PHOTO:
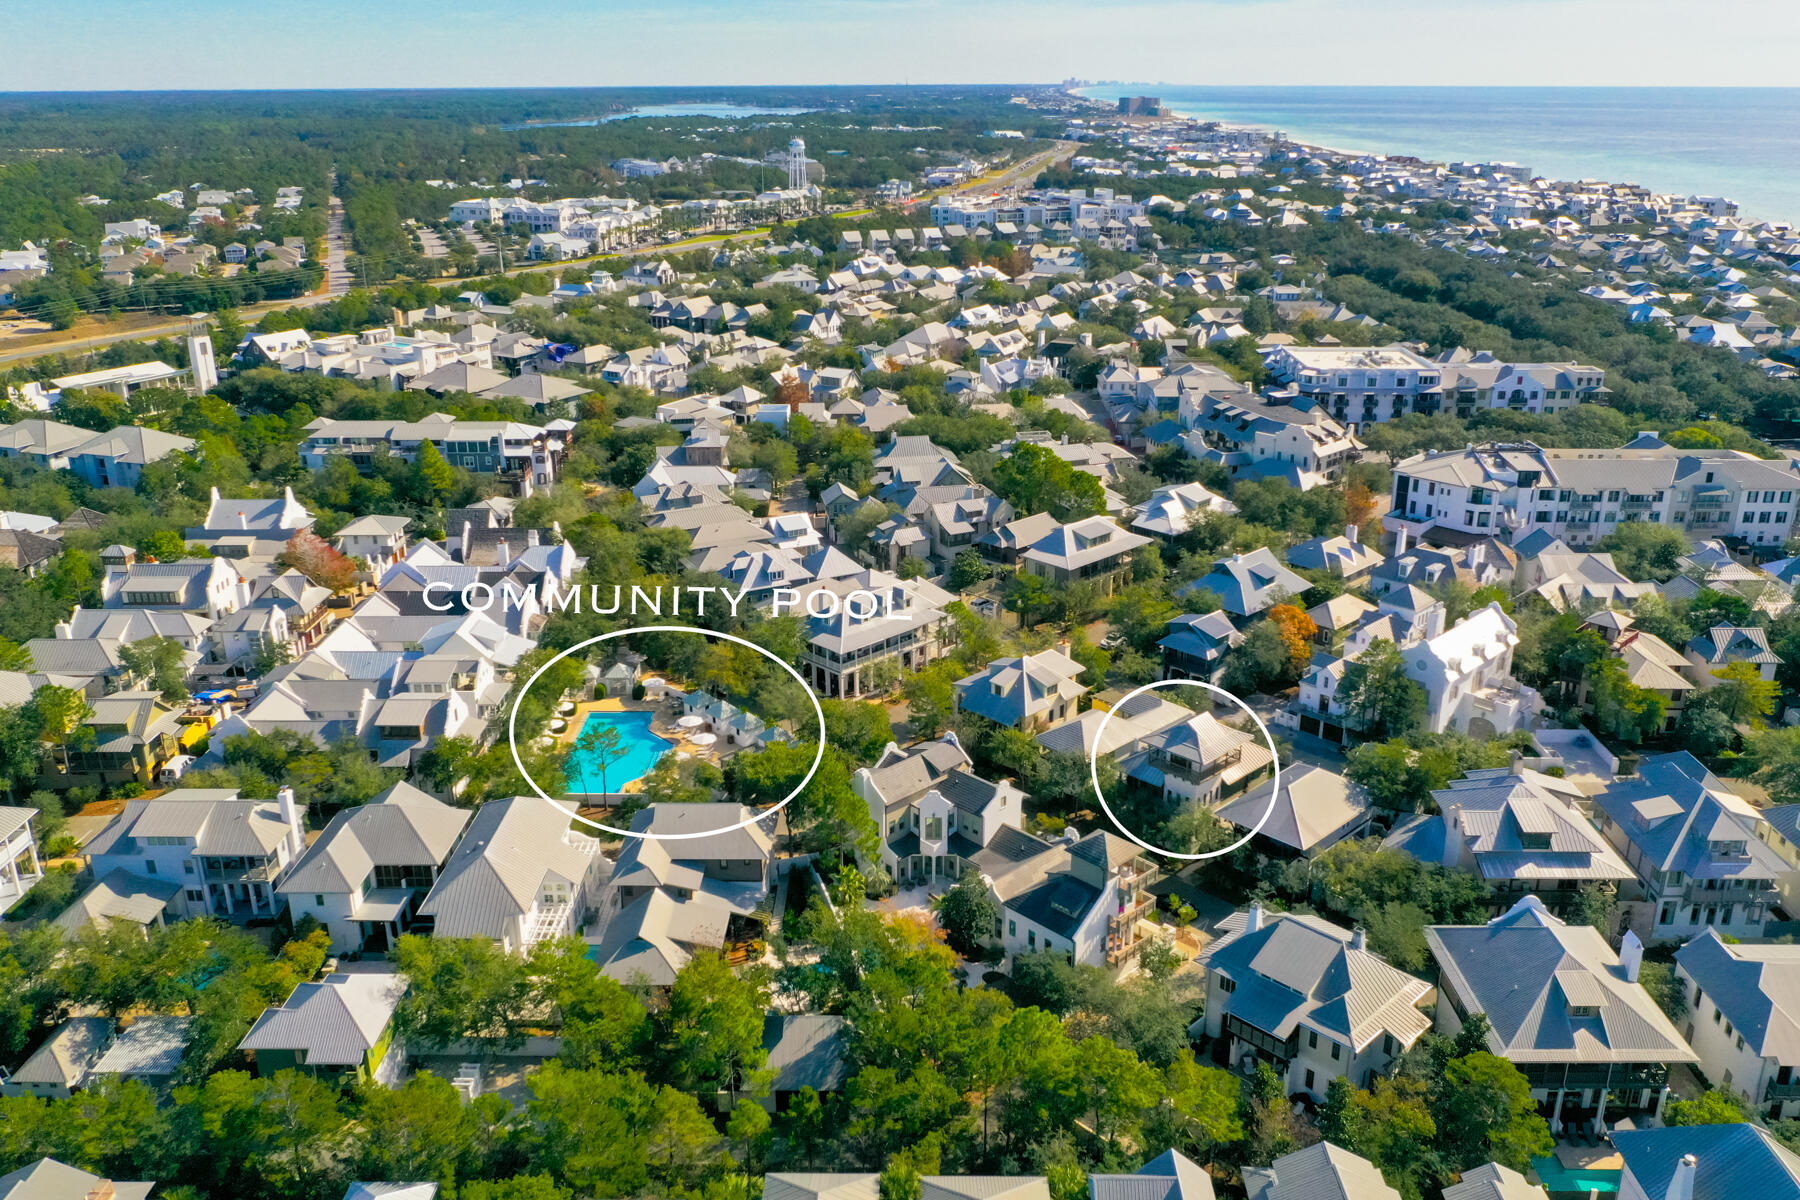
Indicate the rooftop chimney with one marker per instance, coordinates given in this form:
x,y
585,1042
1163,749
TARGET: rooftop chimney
x,y
290,812
1453,835
1359,940
1681,1183
1253,920
1631,957
1350,532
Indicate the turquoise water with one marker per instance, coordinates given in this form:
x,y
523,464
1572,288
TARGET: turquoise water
x,y
730,112
643,749
1558,1178
1738,142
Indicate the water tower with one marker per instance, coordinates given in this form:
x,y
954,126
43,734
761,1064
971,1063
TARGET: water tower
x,y
796,163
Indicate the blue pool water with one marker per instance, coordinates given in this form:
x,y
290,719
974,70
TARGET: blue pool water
x,y
1558,1178
643,749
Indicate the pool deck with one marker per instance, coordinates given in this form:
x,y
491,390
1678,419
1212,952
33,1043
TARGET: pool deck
x,y
663,726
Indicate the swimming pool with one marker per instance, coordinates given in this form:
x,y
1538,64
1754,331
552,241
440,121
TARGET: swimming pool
x,y
1582,1180
643,749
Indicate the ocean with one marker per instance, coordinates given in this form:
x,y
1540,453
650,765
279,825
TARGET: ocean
x,y
1743,143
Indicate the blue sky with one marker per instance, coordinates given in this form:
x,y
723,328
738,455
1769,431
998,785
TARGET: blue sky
x,y
134,44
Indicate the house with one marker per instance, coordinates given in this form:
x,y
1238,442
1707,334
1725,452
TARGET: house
x,y
1311,811
1650,663
1723,645
1023,693
1196,644
1343,557
339,1028
1706,1162
228,853
520,875
1571,579
120,896
59,1068
1082,899
853,1186
1092,549
861,646
1198,759
1564,1008
380,541
1520,832
936,814
672,897
278,518
1742,1019
1493,1181
362,877
1308,998
212,586
648,941
47,1179
1322,1171
18,847
149,1050
1171,1175
1698,849
118,458
1176,509
805,1050
1250,583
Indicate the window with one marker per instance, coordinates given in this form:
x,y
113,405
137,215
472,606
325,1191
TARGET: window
x,y
1309,1081
1312,1039
318,901
1012,929
1031,938
1668,915
149,866
1336,1050
1227,984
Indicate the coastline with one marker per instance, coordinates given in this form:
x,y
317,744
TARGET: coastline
x,y
1578,133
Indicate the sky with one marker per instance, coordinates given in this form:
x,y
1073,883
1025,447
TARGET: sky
x,y
80,45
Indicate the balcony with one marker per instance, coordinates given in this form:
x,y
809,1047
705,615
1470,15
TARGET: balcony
x,y
1699,893
1781,1091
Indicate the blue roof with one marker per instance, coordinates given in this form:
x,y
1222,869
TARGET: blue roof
x,y
1735,1162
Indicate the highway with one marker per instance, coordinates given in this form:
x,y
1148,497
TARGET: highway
x,y
337,275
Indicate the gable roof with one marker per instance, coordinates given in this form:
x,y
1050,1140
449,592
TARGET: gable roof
x,y
336,1020
1732,1161
1529,972
1297,970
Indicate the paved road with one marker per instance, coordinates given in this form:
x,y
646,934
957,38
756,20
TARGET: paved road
x,y
337,273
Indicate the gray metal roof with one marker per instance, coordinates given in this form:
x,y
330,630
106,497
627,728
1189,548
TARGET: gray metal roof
x,y
401,827
70,1052
1552,992
47,1179
335,1021
805,1050
150,1048
1320,1172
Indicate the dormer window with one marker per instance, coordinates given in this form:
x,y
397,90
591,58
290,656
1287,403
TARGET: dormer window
x,y
1583,1010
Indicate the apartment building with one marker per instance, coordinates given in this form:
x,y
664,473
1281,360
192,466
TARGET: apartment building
x,y
1579,496
527,455
1360,384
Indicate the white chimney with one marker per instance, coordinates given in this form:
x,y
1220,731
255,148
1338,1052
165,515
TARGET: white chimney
x,y
1359,940
1631,956
1681,1183
1350,532
1253,920
1453,836
1400,541
290,812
